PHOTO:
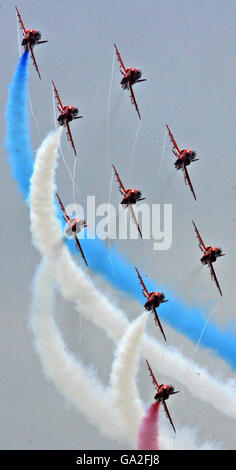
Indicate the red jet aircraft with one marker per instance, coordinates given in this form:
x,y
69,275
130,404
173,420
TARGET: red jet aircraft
x,y
31,38
130,196
211,253
154,299
68,113
130,77
163,393
184,158
74,226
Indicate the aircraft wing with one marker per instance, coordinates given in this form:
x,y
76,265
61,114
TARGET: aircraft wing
x,y
157,321
201,243
20,21
66,216
57,97
172,139
188,181
133,216
34,61
80,249
120,60
154,381
133,100
142,283
119,181
214,278
168,415
70,138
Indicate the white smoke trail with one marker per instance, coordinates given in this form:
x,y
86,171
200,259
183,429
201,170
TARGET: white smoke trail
x,y
162,155
73,180
75,285
133,149
124,370
126,398
203,329
76,382
47,234
34,118
71,378
110,223
18,35
196,379
199,382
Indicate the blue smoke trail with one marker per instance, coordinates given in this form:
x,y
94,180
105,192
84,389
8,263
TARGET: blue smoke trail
x,y
18,143
110,264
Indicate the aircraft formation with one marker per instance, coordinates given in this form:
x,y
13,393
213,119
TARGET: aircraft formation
x,y
131,196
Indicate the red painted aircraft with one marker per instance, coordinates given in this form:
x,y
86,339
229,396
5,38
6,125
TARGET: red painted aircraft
x,y
184,158
211,253
74,226
68,114
130,77
154,299
130,196
163,393
31,38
